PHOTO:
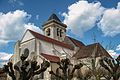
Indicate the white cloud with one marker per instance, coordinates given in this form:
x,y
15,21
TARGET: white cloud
x,y
3,42
113,53
31,26
13,25
82,16
5,56
118,48
110,22
118,5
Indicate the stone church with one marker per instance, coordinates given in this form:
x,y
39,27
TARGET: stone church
x,y
54,45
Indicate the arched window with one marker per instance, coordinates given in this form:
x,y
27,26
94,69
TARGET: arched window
x,y
61,32
57,31
48,32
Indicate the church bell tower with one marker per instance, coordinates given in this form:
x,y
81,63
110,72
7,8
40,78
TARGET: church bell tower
x,y
54,28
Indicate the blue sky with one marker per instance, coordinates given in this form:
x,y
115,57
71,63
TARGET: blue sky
x,y
86,20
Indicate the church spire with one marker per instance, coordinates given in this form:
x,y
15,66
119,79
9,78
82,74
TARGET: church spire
x,y
54,28
53,17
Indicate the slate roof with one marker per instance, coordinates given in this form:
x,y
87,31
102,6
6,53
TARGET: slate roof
x,y
51,58
91,50
54,16
55,19
45,38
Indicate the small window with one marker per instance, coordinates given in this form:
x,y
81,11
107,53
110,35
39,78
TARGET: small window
x,y
57,31
61,32
48,32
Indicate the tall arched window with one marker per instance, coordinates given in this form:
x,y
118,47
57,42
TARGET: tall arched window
x,y
57,31
61,32
48,32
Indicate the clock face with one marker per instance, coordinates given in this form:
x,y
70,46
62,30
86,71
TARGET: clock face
x,y
26,52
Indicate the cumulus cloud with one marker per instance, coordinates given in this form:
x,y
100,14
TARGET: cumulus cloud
x,y
110,22
14,24
12,27
31,26
82,16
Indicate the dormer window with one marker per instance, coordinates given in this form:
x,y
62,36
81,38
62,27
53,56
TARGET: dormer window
x,y
48,32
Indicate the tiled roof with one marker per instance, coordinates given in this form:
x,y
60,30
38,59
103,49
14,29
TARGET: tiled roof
x,y
44,38
91,50
54,19
76,42
54,16
51,58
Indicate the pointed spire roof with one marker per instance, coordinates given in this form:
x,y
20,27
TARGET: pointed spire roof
x,y
54,17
